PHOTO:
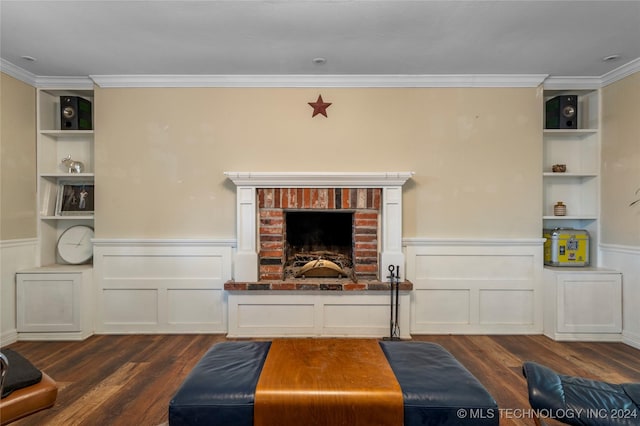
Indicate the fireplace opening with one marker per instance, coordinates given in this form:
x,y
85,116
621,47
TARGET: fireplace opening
x,y
319,244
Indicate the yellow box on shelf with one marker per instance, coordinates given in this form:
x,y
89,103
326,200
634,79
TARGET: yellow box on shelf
x,y
566,247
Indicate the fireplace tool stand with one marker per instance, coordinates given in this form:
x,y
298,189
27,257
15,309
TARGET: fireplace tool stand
x,y
394,281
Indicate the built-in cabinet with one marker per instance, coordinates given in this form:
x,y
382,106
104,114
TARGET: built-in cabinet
x,y
55,303
50,296
582,304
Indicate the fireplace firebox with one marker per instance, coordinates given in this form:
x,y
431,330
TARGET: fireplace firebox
x,y
318,244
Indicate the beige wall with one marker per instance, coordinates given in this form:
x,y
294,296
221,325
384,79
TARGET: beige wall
x,y
17,159
621,161
161,154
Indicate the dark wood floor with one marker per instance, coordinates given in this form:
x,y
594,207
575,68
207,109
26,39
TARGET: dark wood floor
x,y
129,380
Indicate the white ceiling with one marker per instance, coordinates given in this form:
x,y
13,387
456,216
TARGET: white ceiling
x,y
378,37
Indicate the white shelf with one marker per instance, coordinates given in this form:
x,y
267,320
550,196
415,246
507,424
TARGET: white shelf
x,y
569,132
569,175
577,217
67,175
67,133
79,217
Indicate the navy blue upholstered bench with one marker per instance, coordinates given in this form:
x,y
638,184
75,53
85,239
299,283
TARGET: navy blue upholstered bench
x,y
436,388
220,390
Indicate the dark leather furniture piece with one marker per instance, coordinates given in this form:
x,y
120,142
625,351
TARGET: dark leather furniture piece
x,y
25,389
579,401
220,389
436,388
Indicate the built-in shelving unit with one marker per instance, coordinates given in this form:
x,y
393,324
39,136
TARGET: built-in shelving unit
x,y
55,144
580,303
54,299
579,149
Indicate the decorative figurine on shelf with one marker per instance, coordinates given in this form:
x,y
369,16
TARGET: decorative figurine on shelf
x,y
560,209
72,166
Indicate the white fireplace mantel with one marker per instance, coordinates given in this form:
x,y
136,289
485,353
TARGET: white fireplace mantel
x,y
319,179
246,258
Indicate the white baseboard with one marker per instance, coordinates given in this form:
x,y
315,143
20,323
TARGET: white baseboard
x,y
8,337
631,339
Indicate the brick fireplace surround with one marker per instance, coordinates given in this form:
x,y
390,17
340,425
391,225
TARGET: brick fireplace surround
x,y
274,202
375,199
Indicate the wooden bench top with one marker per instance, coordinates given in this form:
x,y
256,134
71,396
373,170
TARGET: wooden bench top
x,y
327,382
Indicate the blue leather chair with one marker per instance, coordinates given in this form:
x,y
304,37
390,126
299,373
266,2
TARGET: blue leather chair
x,y
579,401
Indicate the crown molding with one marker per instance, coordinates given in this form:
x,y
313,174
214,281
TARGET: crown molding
x,y
621,72
297,80
49,82
590,83
359,80
52,82
572,83
17,72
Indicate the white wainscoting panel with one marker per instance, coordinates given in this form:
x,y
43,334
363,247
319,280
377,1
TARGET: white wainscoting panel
x,y
15,255
161,286
517,306
475,286
626,259
314,314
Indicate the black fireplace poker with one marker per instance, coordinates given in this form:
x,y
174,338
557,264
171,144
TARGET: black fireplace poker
x,y
394,286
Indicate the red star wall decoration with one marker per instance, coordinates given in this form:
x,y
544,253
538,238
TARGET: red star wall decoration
x,y
319,106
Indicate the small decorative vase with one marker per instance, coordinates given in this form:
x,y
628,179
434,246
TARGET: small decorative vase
x,y
559,209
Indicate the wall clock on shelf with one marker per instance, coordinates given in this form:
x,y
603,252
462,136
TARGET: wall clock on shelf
x,y
75,246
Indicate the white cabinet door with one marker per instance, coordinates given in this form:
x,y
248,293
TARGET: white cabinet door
x,y
49,302
589,303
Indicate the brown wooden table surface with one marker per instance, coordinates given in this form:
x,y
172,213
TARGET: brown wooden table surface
x,y
327,382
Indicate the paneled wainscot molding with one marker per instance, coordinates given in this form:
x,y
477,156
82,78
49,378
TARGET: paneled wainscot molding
x,y
485,286
161,286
